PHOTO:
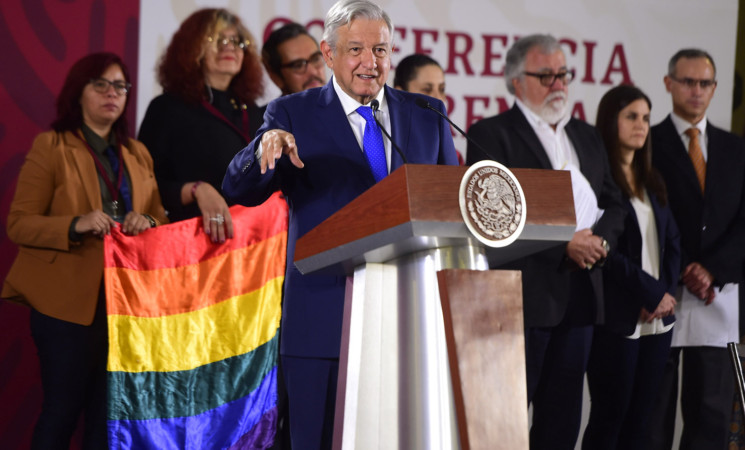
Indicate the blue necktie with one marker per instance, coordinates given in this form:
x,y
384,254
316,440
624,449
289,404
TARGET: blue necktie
x,y
124,188
372,143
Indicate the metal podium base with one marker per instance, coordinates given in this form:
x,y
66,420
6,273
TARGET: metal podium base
x,y
394,381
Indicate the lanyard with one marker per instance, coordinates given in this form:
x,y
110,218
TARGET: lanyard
x,y
244,119
114,190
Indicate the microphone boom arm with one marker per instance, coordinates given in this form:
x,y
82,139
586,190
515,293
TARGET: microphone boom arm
x,y
375,106
420,102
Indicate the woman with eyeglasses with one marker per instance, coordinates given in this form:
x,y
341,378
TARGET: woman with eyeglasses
x,y
78,182
640,276
211,76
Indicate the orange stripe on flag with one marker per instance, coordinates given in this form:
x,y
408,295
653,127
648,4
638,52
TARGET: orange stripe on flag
x,y
142,293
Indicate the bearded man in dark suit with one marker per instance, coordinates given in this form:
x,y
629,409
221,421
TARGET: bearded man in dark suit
x,y
562,288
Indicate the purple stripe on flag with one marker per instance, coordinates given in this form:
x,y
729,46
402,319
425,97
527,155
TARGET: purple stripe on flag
x,y
262,435
226,426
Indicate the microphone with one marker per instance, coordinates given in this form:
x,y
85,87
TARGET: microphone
x,y
375,105
422,103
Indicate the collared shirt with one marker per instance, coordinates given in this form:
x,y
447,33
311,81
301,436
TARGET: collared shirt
x,y
681,125
99,146
563,156
357,122
711,325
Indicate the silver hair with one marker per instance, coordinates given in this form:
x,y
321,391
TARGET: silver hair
x,y
689,53
345,11
514,64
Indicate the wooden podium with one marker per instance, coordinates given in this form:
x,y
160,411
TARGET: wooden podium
x,y
397,357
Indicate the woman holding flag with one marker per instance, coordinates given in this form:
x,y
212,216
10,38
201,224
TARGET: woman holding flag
x,y
79,181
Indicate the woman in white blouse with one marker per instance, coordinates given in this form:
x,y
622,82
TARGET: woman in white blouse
x,y
640,276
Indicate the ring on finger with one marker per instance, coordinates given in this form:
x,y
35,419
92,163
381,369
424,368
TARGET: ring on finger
x,y
219,219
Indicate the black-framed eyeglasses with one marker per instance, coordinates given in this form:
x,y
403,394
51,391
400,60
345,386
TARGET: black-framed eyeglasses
x,y
691,83
300,66
101,85
221,42
548,79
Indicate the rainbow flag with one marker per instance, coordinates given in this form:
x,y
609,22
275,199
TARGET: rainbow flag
x,y
193,333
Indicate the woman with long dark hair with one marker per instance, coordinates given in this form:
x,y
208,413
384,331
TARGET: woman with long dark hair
x,y
421,74
640,277
79,181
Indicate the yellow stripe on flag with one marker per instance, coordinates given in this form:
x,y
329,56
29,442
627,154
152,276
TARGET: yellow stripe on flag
x,y
185,341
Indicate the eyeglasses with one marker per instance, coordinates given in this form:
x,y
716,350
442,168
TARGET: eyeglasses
x,y
691,83
300,66
548,79
221,42
101,85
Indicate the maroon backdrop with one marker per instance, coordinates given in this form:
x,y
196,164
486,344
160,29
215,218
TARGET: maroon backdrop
x,y
39,41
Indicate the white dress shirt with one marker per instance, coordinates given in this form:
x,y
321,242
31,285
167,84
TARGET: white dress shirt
x,y
563,156
357,122
681,125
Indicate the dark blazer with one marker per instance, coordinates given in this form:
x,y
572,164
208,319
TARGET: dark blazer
x,y
712,224
59,181
510,140
628,288
336,172
188,143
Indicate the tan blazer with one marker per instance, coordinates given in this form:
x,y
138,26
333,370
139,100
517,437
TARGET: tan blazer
x,y
58,181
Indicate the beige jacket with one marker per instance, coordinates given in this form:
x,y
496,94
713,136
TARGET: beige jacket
x,y
58,181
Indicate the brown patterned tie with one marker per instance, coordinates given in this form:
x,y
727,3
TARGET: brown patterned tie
x,y
697,157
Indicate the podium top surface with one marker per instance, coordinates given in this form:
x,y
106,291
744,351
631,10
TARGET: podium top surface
x,y
417,208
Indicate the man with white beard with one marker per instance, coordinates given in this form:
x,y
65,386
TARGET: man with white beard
x,y
562,288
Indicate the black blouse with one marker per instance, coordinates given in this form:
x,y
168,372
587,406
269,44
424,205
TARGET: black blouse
x,y
189,143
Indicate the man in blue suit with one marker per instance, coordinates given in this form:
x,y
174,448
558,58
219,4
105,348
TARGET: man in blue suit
x,y
314,146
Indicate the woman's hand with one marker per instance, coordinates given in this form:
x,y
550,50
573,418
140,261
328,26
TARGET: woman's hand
x,y
665,308
215,214
95,222
135,223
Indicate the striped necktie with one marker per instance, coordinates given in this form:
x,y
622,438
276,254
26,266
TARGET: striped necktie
x,y
697,156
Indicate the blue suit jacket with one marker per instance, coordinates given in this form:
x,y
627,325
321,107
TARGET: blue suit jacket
x,y
628,288
336,172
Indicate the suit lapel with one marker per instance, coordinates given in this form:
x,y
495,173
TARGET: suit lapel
x,y
579,146
329,120
86,168
716,161
133,169
336,125
677,155
400,124
522,128
661,227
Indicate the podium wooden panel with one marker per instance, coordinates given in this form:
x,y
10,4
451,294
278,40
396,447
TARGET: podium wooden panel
x,y
483,315
395,388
